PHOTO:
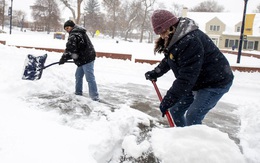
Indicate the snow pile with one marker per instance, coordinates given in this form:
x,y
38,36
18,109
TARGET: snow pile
x,y
44,122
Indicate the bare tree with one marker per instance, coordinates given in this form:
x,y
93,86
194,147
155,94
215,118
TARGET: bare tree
x,y
2,12
71,7
257,10
128,17
19,18
93,19
149,30
46,15
145,21
177,9
162,5
208,6
112,8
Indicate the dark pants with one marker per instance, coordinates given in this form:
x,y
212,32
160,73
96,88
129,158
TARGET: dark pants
x,y
192,108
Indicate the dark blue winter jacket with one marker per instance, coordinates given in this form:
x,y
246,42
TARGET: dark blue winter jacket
x,y
79,47
195,61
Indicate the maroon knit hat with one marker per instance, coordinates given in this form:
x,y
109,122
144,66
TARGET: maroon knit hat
x,y
162,20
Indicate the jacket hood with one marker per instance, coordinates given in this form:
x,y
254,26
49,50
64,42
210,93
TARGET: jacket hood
x,y
184,27
77,29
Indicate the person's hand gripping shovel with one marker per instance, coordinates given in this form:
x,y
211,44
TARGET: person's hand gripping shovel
x,y
151,75
169,118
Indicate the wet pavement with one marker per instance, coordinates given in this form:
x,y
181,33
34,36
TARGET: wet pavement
x,y
75,109
145,99
140,97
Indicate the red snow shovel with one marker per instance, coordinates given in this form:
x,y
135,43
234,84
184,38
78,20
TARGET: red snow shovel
x,y
169,118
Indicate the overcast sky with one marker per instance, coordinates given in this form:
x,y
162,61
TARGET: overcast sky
x,y
230,5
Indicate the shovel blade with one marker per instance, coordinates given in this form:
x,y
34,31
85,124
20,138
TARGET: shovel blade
x,y
33,67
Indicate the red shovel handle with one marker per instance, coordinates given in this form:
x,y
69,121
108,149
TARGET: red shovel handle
x,y
169,118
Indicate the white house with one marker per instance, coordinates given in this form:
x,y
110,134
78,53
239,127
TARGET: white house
x,y
225,28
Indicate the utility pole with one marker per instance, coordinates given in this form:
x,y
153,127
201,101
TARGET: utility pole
x,y
242,34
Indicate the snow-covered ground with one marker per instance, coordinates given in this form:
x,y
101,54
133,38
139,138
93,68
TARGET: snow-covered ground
x,y
44,122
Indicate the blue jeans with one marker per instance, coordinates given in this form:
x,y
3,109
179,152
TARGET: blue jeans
x,y
88,71
192,108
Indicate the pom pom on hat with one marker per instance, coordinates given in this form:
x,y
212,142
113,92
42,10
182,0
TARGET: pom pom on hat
x,y
162,20
69,23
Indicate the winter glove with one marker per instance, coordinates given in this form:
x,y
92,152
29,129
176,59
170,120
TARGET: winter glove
x,y
63,58
151,75
166,103
62,61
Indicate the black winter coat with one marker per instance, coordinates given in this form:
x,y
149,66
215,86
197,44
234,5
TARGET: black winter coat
x,y
195,61
79,47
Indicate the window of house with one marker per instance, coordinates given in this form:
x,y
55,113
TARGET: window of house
x,y
215,40
226,43
214,27
238,29
250,45
230,43
256,45
245,44
236,43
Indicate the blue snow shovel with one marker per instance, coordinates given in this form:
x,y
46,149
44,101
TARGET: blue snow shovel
x,y
34,66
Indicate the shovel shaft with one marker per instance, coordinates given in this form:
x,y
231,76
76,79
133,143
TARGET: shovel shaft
x,y
55,63
50,65
169,118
